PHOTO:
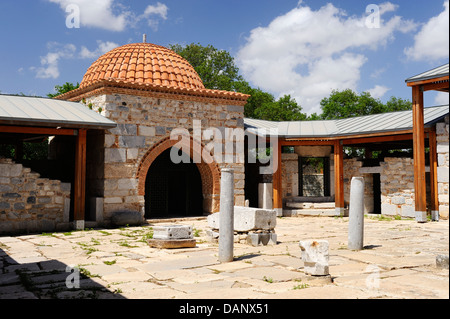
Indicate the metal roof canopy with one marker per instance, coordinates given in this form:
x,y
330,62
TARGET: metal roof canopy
x,y
45,112
369,124
438,72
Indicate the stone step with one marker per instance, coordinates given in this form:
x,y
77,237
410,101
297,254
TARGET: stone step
x,y
308,205
311,212
310,199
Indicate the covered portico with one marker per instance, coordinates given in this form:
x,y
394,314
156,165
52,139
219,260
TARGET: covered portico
x,y
387,131
30,118
436,79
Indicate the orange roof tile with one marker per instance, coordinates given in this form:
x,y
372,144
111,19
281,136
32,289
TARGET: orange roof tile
x,y
128,63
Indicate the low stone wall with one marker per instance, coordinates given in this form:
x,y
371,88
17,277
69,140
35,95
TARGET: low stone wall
x,y
397,187
442,139
29,203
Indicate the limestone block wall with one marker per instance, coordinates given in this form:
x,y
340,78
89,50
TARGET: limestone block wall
x,y
442,140
397,187
29,203
143,123
289,174
352,168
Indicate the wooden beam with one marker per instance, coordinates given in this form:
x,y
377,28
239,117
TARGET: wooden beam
x,y
433,176
306,143
378,139
436,86
419,156
339,177
80,179
442,78
276,181
37,130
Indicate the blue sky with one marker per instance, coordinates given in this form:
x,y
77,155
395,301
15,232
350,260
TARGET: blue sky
x,y
303,48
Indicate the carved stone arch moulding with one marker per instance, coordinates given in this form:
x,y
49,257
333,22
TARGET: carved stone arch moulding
x,y
210,173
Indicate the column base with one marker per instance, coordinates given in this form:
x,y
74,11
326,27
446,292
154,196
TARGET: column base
x,y
339,211
78,224
435,215
421,217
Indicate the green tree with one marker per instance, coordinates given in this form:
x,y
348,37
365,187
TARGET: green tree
x,y
258,98
285,109
347,103
218,71
215,67
66,87
397,104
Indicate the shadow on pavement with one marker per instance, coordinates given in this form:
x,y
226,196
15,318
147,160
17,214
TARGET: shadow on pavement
x,y
50,279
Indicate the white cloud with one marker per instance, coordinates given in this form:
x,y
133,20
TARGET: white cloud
x,y
102,48
104,14
153,13
308,53
49,67
50,62
376,74
160,10
441,98
113,16
378,91
432,41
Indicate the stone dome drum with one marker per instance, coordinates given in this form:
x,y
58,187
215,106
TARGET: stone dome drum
x,y
144,63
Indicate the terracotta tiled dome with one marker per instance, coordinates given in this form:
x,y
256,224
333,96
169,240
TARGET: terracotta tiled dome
x,y
143,63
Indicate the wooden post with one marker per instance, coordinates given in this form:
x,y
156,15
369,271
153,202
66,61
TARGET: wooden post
x,y
80,180
433,176
339,177
419,156
276,182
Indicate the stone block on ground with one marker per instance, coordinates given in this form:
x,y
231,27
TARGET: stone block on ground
x,y
256,239
442,261
167,232
315,257
247,219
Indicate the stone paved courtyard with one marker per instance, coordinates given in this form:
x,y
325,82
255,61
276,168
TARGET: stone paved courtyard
x,y
399,261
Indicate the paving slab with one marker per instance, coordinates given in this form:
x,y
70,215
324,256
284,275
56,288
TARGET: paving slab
x,y
327,292
103,270
274,274
399,261
200,287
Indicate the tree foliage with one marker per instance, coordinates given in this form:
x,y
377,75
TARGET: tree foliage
x,y
218,71
215,67
347,103
284,109
61,89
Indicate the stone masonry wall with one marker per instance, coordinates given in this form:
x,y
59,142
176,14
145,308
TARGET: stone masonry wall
x,y
351,169
142,123
442,139
397,187
29,203
289,174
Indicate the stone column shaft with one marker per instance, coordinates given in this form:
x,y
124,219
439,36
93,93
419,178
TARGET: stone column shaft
x,y
226,221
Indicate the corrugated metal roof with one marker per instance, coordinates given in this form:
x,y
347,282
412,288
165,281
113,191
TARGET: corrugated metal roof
x,y
440,71
377,123
22,110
